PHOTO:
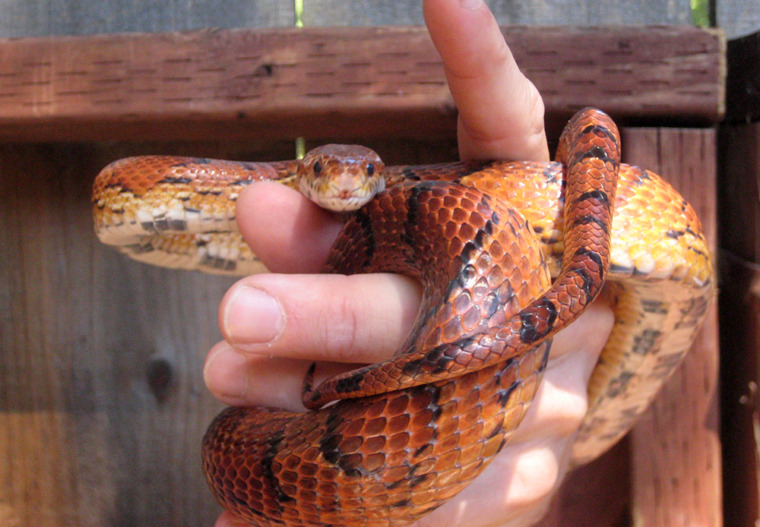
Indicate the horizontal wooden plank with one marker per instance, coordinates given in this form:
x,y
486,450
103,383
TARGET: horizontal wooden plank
x,y
318,83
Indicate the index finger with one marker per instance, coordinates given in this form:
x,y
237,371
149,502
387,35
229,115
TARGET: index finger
x,y
501,114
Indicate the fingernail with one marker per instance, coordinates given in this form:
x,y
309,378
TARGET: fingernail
x,y
225,374
252,316
470,4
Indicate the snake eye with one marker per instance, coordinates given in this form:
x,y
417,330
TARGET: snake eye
x,y
317,167
370,169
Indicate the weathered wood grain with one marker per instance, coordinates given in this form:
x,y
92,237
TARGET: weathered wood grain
x,y
544,12
21,18
106,322
669,471
339,82
675,456
102,404
596,494
738,17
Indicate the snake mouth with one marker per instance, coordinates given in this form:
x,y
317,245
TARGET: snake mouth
x,y
341,202
341,199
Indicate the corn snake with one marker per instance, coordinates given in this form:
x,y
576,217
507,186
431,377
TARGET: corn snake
x,y
484,238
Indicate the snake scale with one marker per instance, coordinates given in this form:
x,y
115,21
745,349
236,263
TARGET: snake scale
x,y
508,253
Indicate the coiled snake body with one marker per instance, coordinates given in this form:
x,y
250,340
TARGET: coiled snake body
x,y
485,240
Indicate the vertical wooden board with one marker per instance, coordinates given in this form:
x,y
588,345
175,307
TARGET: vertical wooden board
x,y
21,18
739,191
743,81
738,17
675,447
363,13
35,436
617,12
103,405
551,12
80,17
739,198
740,382
596,494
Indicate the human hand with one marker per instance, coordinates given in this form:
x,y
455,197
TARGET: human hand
x,y
276,325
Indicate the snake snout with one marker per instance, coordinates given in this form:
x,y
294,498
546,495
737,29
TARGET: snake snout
x,y
349,199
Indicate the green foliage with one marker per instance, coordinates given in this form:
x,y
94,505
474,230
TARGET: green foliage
x,y
299,13
700,13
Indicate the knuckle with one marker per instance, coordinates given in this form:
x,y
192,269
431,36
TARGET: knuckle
x,y
536,104
499,57
538,470
565,409
570,415
557,412
338,328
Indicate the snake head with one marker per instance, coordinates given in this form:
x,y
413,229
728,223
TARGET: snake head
x,y
341,177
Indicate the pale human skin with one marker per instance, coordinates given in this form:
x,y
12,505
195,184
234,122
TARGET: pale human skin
x,y
276,325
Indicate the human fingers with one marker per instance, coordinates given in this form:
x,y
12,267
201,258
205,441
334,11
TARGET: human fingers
x,y
517,487
501,113
277,325
355,319
228,520
358,318
243,379
289,233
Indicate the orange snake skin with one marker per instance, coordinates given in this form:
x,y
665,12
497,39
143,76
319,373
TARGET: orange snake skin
x,y
508,253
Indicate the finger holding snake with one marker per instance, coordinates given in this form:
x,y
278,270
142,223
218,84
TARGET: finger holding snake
x,y
516,488
252,367
508,254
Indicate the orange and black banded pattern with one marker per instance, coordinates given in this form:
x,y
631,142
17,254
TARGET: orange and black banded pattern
x,y
508,254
